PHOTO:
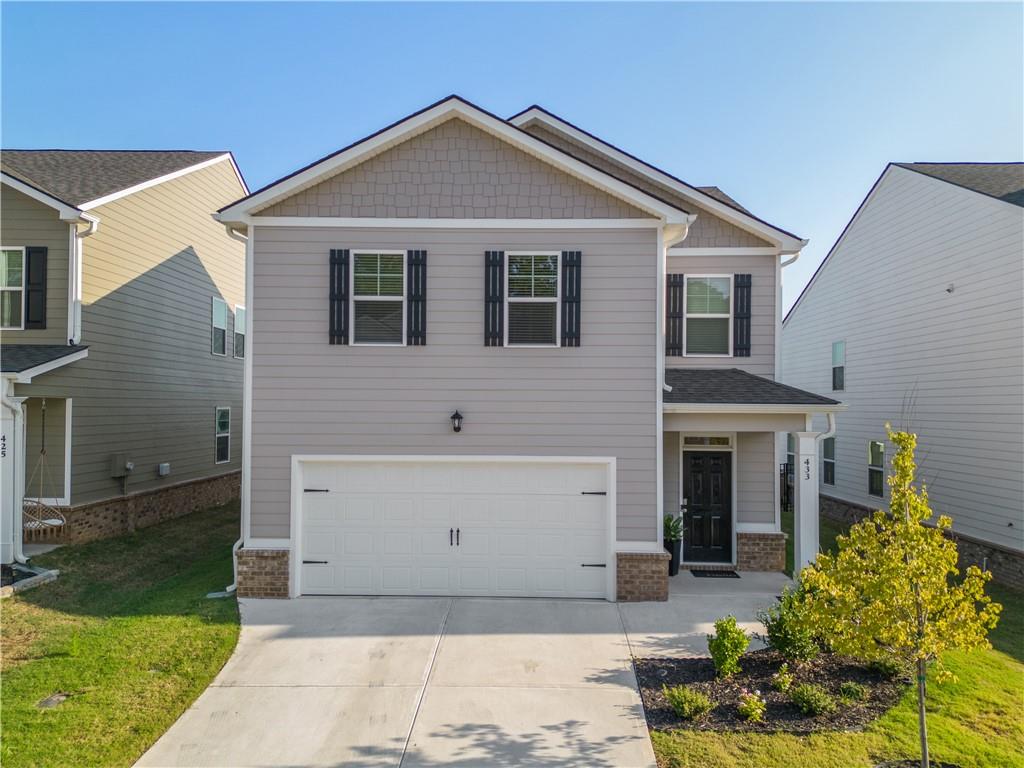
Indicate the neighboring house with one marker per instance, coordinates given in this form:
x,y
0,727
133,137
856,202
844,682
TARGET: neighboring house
x,y
118,297
916,318
464,377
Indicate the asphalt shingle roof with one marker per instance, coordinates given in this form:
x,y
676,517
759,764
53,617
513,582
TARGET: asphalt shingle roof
x,y
1003,181
80,176
15,358
731,386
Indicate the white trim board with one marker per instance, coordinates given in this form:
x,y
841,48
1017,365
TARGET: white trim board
x,y
677,250
295,513
450,108
417,223
67,212
787,243
161,179
749,408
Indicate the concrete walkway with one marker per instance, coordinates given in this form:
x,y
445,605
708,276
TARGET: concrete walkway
x,y
418,682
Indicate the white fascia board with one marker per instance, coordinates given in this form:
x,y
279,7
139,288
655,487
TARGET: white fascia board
x,y
26,376
678,250
67,212
428,119
161,179
786,242
411,223
750,408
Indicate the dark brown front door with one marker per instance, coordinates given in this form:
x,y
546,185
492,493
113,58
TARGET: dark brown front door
x,y
707,507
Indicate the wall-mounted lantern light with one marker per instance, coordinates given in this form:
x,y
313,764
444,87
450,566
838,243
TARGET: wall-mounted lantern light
x,y
456,422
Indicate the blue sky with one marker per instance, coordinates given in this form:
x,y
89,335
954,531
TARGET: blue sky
x,y
794,109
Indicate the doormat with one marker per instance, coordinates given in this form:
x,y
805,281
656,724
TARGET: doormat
x,y
715,574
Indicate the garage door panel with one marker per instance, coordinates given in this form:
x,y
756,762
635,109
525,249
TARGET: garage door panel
x,y
524,529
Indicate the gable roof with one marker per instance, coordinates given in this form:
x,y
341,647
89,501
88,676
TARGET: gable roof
x,y
732,386
425,119
87,178
1003,181
711,197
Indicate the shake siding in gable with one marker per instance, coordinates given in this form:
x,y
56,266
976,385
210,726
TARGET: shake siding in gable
x,y
949,366
762,309
310,397
27,222
150,384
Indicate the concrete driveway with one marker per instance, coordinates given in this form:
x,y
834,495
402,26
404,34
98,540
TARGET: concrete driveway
x,y
418,682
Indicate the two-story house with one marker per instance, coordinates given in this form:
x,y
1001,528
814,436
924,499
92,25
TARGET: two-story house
x,y
121,317
486,356
916,319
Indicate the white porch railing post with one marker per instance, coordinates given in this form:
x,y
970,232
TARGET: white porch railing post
x,y
805,500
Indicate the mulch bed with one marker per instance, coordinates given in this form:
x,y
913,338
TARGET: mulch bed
x,y
827,670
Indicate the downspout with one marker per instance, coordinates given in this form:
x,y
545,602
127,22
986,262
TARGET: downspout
x,y
244,521
75,282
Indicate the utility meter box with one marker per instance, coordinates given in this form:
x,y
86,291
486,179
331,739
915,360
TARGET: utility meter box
x,y
119,465
163,470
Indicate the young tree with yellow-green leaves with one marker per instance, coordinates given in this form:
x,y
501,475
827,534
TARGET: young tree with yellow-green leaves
x,y
892,591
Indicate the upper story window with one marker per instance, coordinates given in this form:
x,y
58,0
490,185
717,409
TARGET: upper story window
x,y
531,310
838,366
219,339
239,347
708,314
222,435
378,305
876,468
828,461
12,289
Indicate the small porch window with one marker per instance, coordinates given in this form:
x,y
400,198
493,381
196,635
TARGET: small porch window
x,y
876,468
697,441
828,461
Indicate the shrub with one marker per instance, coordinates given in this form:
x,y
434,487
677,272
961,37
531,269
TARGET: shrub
x,y
889,668
812,699
752,707
786,630
688,703
727,645
853,691
782,680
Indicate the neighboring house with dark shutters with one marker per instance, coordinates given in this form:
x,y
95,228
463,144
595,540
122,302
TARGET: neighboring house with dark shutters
x,y
486,356
121,305
916,318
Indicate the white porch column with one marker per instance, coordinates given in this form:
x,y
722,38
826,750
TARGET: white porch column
x,y
805,500
12,473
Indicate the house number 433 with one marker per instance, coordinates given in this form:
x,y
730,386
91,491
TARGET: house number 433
x,y
807,469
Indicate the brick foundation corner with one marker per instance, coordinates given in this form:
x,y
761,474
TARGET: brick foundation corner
x,y
761,552
262,573
641,576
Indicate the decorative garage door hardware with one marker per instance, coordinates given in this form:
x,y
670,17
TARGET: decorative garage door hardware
x,y
593,565
457,534
316,490
314,562
593,493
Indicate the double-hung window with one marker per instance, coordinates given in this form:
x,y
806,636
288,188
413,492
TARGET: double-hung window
x,y
708,311
12,289
378,300
239,347
838,366
828,461
876,468
531,311
219,339
222,434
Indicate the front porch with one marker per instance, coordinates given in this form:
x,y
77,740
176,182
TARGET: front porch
x,y
722,445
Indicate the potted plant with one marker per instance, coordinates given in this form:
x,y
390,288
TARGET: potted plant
x,y
673,537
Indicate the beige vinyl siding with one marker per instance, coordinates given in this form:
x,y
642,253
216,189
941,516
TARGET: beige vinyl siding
x,y
948,366
27,222
454,170
311,397
44,475
708,231
762,271
753,463
150,384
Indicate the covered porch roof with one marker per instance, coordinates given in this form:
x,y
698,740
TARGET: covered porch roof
x,y
22,362
689,390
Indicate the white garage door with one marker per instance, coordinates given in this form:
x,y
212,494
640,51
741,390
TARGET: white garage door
x,y
496,528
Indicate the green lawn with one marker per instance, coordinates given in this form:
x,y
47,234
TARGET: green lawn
x,y
975,722
128,631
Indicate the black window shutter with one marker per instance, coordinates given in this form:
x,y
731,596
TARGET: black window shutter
x,y
674,288
571,298
494,298
35,288
339,296
741,317
416,298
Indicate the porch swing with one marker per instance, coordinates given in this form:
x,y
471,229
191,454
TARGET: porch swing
x,y
42,520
